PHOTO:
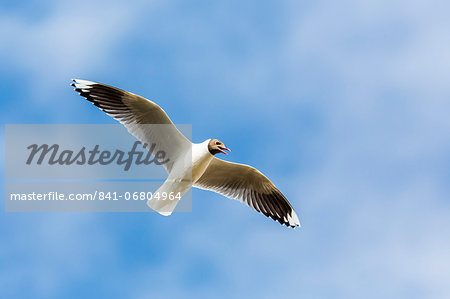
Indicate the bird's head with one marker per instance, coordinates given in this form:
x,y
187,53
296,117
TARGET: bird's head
x,y
216,146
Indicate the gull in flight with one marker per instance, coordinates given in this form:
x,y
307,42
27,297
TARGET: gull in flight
x,y
190,164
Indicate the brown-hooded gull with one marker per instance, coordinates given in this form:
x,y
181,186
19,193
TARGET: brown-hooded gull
x,y
203,170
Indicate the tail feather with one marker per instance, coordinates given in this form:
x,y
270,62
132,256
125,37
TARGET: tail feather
x,y
166,198
163,207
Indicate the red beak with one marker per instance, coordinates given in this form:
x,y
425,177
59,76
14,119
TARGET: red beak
x,y
224,148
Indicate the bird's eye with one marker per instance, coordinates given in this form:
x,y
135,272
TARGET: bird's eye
x,y
217,143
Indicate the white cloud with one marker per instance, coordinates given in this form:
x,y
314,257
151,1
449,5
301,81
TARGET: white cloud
x,y
72,39
50,251
374,215
375,194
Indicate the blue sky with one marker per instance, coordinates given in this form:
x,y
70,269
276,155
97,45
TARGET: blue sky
x,y
344,105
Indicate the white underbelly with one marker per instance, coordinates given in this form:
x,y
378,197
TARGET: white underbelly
x,y
198,168
192,166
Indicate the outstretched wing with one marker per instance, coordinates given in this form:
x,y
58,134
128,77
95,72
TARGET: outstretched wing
x,y
248,185
144,119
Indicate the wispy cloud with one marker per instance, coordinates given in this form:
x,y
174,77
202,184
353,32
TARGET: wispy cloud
x,y
358,89
70,39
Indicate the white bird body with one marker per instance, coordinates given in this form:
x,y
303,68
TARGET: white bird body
x,y
190,164
201,158
184,173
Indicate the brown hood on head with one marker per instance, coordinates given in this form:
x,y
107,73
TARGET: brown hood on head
x,y
216,146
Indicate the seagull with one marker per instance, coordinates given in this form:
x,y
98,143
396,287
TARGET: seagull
x,y
190,164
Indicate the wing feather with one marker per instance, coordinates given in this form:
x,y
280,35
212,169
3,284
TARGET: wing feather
x,y
143,118
250,186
